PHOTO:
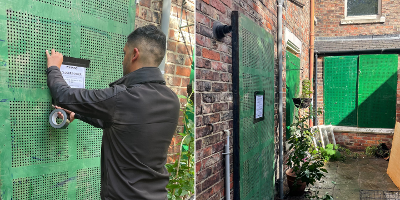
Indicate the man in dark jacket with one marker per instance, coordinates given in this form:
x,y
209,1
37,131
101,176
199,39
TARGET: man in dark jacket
x,y
138,115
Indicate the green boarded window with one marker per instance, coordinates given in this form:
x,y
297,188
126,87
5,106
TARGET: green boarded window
x,y
292,87
340,90
377,91
360,90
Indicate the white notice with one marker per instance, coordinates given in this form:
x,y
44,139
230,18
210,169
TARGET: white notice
x,y
73,75
259,106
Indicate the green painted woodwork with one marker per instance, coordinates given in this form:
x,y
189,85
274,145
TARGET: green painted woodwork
x,y
292,87
256,140
340,90
377,91
36,160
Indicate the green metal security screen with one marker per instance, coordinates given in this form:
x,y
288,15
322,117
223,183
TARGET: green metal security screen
x,y
36,160
361,90
377,91
292,87
253,72
340,90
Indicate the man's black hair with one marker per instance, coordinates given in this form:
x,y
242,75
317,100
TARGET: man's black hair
x,y
150,40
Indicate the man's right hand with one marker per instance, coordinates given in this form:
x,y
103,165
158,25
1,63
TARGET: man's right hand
x,y
55,59
69,113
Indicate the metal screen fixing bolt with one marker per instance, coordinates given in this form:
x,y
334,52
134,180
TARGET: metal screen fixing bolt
x,y
219,30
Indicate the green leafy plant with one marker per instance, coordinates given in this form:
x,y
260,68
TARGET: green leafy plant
x,y
181,183
306,91
330,152
371,150
304,159
347,153
315,196
380,150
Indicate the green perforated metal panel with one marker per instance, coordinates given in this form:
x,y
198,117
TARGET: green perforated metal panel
x,y
36,160
88,183
292,87
377,91
256,73
340,90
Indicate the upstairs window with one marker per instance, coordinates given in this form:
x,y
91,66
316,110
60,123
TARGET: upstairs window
x,y
363,11
363,7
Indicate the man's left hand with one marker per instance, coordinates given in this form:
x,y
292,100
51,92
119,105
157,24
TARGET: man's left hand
x,y
55,59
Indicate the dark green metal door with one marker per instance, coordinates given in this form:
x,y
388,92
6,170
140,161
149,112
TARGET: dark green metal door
x,y
36,160
292,87
253,73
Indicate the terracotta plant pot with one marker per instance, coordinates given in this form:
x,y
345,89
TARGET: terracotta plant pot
x,y
302,102
301,186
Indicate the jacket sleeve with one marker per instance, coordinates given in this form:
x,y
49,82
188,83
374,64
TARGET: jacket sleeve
x,y
98,123
98,104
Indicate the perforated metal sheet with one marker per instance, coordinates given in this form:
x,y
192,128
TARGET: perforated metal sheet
x,y
88,183
88,141
61,3
116,10
377,91
37,161
99,76
33,142
28,37
46,186
292,87
256,73
340,90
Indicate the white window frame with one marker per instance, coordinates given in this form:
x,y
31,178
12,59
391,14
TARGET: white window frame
x,y
363,19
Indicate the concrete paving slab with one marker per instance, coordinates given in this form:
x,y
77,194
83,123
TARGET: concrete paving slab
x,y
351,176
348,194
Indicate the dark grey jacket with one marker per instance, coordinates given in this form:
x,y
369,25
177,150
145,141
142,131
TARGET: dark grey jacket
x,y
139,116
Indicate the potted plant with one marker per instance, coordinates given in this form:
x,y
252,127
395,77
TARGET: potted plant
x,y
305,162
305,98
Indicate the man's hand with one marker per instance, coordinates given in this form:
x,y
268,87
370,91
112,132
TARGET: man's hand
x,y
70,113
55,59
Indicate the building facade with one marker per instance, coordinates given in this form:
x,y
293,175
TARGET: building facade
x,y
357,79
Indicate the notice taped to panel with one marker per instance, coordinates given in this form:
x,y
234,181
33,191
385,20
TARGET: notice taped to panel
x,y
73,75
73,71
258,106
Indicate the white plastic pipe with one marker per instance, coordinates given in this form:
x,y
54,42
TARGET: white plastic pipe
x,y
166,11
227,168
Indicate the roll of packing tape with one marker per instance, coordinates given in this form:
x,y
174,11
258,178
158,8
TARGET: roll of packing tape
x,y
53,119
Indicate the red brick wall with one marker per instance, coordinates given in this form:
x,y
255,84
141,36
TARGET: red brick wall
x,y
359,141
329,13
214,106
178,62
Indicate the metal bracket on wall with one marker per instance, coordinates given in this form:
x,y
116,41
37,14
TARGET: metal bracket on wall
x,y
220,30
298,3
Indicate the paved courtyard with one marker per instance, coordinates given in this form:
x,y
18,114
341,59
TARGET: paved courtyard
x,y
345,179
